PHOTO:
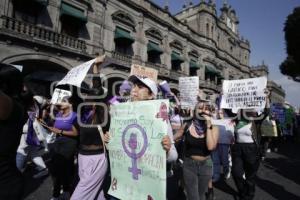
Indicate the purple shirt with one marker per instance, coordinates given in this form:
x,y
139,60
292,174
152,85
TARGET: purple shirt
x,y
65,123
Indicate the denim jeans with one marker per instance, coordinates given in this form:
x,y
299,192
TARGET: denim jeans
x,y
220,157
196,176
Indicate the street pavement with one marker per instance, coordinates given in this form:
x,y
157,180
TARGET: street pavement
x,y
278,178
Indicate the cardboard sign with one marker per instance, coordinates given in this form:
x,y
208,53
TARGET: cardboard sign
x,y
137,158
188,88
244,93
141,71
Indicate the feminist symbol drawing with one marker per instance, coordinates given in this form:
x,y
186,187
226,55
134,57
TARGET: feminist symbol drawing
x,y
163,112
133,130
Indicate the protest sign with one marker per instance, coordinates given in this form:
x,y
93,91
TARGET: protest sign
x,y
58,95
278,111
137,159
188,88
244,93
142,71
77,74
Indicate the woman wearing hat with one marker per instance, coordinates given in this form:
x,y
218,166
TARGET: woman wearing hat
x,y
145,89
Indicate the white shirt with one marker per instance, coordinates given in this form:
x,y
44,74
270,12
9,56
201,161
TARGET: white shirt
x,y
244,134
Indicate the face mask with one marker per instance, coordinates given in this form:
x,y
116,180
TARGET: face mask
x,y
200,126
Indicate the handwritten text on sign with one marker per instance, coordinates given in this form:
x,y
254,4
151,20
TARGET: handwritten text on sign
x,y
141,71
137,159
245,93
58,95
77,74
188,88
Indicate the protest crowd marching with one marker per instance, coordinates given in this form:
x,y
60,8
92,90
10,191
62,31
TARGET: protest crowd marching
x,y
145,142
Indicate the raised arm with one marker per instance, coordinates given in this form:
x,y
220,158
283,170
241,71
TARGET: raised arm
x,y
212,134
97,86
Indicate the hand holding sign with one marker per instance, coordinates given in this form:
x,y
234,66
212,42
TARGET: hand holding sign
x,y
98,61
166,143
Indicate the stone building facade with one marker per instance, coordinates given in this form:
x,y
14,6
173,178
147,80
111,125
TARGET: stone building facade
x,y
52,36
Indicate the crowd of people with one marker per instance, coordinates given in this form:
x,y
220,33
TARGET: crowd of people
x,y
203,144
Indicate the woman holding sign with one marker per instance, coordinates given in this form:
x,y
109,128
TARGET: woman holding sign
x,y
245,152
64,148
92,160
146,89
201,138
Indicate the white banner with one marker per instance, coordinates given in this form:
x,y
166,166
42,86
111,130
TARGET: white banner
x,y
77,74
244,94
188,88
58,95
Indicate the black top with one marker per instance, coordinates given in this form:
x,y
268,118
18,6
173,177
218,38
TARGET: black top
x,y
195,146
10,134
90,136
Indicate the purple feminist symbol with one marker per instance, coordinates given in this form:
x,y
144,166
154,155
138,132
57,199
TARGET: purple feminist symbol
x,y
163,112
133,146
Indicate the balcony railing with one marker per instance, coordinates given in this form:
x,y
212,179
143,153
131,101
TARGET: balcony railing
x,y
153,65
40,34
176,74
125,59
210,85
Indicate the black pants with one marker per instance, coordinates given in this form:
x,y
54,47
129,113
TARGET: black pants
x,y
62,172
264,145
245,159
62,164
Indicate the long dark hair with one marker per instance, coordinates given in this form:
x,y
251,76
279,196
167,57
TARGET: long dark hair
x,y
11,81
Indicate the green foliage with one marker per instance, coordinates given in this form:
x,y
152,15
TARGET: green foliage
x,y
291,66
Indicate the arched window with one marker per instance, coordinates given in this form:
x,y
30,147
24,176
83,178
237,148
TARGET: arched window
x,y
177,45
124,18
154,33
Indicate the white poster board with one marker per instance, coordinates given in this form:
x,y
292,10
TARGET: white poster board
x,y
244,93
188,88
58,95
77,74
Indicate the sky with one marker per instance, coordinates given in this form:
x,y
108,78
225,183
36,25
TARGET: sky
x,y
262,23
